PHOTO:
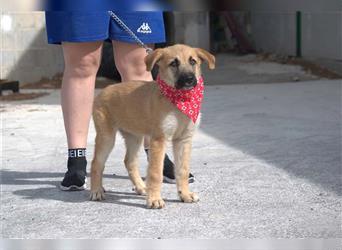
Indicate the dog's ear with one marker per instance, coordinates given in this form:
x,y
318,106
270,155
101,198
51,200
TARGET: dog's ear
x,y
206,56
152,58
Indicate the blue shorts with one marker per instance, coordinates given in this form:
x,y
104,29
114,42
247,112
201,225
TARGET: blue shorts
x,y
79,26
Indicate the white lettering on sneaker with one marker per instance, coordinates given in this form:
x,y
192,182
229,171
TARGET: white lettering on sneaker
x,y
144,28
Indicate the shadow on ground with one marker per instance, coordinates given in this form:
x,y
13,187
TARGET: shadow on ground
x,y
296,129
9,177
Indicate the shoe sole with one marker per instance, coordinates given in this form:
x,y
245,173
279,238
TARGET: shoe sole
x,y
73,187
173,181
168,180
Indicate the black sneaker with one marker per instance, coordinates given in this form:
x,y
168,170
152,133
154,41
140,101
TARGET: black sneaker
x,y
169,171
75,177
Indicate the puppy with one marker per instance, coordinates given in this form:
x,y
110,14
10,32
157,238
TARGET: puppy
x,y
165,110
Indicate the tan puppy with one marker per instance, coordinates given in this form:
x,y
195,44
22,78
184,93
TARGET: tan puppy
x,y
138,109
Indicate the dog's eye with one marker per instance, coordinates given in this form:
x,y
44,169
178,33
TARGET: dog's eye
x,y
174,63
192,61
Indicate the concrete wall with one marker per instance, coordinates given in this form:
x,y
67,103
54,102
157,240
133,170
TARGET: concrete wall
x,y
190,28
321,33
274,32
25,54
291,5
273,27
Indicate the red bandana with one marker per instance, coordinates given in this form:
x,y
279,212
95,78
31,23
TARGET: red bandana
x,y
187,101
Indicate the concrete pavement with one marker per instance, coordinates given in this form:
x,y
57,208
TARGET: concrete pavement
x,y
267,162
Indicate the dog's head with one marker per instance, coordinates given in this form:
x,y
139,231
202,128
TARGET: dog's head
x,y
179,65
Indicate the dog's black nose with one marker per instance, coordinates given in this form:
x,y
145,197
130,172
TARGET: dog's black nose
x,y
187,80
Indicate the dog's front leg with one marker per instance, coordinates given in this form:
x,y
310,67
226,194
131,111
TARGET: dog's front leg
x,y
155,173
182,153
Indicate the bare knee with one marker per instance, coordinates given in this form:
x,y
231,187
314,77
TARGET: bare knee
x,y
132,68
82,60
129,60
83,68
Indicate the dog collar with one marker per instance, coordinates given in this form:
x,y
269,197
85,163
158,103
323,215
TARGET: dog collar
x,y
186,101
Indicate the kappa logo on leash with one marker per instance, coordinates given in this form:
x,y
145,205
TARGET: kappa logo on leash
x,y
144,28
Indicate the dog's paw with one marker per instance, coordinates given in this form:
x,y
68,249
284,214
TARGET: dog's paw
x,y
155,203
140,190
97,194
189,197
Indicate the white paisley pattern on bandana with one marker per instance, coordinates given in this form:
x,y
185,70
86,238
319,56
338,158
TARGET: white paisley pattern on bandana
x,y
186,101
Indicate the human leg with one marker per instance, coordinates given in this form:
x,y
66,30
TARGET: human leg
x,y
82,61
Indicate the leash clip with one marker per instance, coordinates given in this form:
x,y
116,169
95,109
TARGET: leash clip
x,y
149,50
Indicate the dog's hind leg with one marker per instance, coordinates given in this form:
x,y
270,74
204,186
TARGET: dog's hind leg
x,y
104,143
133,144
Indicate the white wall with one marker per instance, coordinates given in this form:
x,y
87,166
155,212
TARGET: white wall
x,y
274,32
191,28
291,5
274,27
25,54
322,35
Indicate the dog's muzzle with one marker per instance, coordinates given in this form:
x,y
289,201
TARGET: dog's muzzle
x,y
186,81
